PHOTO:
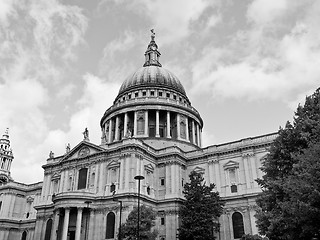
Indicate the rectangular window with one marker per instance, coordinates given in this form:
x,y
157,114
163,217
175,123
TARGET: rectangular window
x,y
168,95
136,94
162,181
129,96
174,97
82,180
162,221
144,93
152,93
160,94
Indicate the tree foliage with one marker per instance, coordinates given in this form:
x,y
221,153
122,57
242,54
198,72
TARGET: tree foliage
x,y
200,211
147,217
252,237
290,201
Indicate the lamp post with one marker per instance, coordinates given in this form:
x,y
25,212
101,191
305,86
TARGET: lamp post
x,y
139,178
120,213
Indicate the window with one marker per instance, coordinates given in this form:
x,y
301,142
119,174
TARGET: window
x,y
180,99
124,98
148,190
174,97
162,220
110,225
160,94
129,96
24,235
237,223
234,188
152,93
168,95
162,181
82,181
0,205
144,93
47,235
27,215
112,187
136,94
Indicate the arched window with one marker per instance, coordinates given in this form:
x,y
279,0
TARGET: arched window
x,y
47,235
82,181
237,223
24,235
110,225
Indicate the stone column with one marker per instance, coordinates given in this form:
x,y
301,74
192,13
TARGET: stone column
x,y
135,124
167,182
157,123
246,171
121,174
65,223
168,125
254,170
54,230
173,179
146,123
91,224
193,133
110,131
217,173
198,134
178,126
78,224
187,129
116,137
125,126
200,138
211,172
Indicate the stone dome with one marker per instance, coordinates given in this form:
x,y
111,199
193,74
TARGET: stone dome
x,y
152,76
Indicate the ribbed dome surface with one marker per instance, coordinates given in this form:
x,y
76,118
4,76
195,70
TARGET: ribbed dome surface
x,y
152,76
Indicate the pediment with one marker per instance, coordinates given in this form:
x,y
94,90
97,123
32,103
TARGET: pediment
x,y
114,164
149,168
83,149
199,169
231,164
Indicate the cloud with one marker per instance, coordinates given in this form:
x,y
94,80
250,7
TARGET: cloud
x,y
278,57
37,43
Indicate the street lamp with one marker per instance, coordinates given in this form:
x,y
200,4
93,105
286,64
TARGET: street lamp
x,y
139,178
116,200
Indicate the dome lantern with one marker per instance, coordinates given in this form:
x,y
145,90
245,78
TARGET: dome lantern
x,y
152,54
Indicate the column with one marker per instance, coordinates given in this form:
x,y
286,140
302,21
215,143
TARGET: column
x,y
116,137
254,170
91,224
146,123
217,173
173,179
178,126
78,224
168,125
187,128
127,173
101,183
193,133
54,230
62,181
167,182
200,138
110,131
65,223
157,123
135,124
211,173
125,127
198,134
246,171
121,174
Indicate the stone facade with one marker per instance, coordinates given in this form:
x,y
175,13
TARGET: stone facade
x,y
151,130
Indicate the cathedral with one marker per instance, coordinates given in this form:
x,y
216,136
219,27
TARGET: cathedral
x,y
151,130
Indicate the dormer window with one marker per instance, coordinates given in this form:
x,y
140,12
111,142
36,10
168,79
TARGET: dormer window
x,y
144,93
168,95
152,93
160,94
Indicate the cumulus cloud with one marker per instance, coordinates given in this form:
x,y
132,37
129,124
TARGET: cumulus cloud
x,y
37,42
278,60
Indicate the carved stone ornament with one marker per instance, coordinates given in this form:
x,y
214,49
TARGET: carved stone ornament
x,y
85,151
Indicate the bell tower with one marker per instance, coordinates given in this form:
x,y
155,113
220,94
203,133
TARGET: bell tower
x,y
6,158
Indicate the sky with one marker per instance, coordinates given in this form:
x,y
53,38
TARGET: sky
x,y
245,65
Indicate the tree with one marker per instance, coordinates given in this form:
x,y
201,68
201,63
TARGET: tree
x,y
147,217
290,203
252,237
200,211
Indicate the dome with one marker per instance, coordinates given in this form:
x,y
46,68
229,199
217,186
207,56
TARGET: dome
x,y
152,76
